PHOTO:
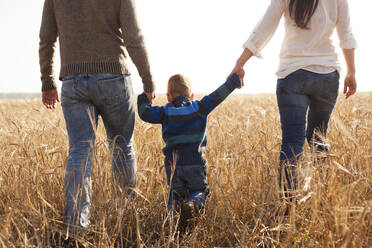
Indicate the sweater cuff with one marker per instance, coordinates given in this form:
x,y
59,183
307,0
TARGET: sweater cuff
x,y
48,85
148,86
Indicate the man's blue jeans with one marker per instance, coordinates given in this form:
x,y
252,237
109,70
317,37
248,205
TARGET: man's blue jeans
x,y
187,183
303,95
84,97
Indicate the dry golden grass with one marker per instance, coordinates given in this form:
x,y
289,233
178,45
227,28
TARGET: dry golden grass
x,y
243,210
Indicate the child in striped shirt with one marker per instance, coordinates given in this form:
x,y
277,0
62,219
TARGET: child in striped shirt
x,y
183,123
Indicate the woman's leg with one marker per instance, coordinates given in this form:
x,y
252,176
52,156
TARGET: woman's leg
x,y
293,105
322,101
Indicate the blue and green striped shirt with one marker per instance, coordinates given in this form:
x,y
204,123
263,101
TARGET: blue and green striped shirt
x,y
184,122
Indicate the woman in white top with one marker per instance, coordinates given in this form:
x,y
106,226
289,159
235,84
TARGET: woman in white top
x,y
308,73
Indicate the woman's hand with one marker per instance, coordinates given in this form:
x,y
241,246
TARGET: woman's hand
x,y
350,85
240,71
244,57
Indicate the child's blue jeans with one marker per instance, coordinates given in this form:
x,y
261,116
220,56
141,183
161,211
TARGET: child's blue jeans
x,y
187,183
305,100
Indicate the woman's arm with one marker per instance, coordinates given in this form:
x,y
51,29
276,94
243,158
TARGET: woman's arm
x,y
343,26
350,84
244,57
348,44
261,33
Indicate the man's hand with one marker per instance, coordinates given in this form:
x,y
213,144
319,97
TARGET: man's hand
x,y
50,98
150,96
350,85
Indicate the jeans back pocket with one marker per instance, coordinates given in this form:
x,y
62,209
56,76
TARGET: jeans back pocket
x,y
115,90
68,91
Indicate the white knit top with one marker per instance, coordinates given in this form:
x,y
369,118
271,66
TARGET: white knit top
x,y
311,49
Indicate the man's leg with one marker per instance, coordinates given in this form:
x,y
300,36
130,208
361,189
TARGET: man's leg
x,y
118,113
81,120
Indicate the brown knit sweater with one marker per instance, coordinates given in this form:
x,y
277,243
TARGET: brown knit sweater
x,y
93,35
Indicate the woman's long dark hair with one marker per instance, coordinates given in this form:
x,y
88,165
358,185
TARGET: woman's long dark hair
x,y
301,11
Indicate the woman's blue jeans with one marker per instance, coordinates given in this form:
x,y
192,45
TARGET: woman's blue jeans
x,y
84,97
305,100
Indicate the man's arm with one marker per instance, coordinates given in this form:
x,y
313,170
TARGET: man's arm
x,y
48,38
148,113
134,43
210,102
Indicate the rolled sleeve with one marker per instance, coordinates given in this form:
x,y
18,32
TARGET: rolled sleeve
x,y
344,30
265,28
253,48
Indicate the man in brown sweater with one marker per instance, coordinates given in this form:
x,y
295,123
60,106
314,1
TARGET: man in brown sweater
x,y
93,35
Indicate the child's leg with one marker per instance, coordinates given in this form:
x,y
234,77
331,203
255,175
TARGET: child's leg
x,y
177,188
196,182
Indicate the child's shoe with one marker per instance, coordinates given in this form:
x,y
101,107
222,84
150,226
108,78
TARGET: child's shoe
x,y
189,212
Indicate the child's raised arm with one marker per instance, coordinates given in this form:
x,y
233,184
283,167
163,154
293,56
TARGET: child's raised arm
x,y
148,113
208,103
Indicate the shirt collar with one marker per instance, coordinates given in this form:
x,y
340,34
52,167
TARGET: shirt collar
x,y
181,101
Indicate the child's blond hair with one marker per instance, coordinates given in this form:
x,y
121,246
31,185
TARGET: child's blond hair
x,y
179,85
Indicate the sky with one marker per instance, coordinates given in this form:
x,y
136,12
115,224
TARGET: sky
x,y
199,38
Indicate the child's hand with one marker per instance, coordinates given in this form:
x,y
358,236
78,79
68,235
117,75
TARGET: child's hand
x,y
241,74
150,96
240,71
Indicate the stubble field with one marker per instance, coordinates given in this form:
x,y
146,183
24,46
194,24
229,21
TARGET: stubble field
x,y
244,208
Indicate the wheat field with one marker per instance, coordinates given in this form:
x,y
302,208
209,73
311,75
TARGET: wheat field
x,y
244,208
